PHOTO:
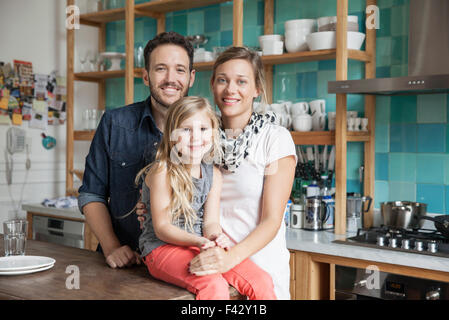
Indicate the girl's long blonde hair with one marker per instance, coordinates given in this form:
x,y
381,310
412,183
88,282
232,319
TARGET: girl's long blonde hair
x,y
168,157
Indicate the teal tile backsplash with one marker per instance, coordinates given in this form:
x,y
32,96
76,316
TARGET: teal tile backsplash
x,y
412,132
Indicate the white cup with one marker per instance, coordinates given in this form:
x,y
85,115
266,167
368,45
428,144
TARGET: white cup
x,y
318,122
283,119
302,123
318,106
288,106
364,124
278,108
351,123
299,108
272,47
331,116
357,123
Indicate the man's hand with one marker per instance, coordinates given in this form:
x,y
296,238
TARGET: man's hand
x,y
122,257
141,209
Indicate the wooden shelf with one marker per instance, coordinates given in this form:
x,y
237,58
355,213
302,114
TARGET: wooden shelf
x,y
83,135
151,9
101,75
164,6
97,18
326,137
306,56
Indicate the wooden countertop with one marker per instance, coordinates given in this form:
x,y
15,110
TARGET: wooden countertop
x,y
97,280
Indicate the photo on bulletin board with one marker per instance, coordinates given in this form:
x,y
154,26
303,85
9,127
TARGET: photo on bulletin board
x,y
38,120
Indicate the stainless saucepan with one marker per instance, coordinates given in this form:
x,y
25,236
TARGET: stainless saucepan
x,y
403,214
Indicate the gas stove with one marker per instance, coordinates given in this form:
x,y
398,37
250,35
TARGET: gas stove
x,y
418,241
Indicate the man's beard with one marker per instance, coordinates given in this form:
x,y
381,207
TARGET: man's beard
x,y
158,99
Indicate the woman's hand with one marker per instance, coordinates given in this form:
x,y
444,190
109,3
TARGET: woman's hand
x,y
221,240
141,209
213,260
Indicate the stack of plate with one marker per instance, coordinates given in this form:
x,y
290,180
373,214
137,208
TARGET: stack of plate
x,y
15,265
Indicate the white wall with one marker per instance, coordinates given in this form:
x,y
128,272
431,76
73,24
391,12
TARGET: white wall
x,y
34,30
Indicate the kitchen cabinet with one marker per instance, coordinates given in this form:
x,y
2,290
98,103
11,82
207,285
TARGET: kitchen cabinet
x,y
157,9
315,273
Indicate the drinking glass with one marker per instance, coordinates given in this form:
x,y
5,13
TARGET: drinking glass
x,y
15,235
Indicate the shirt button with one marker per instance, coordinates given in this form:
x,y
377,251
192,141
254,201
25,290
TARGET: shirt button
x,y
155,144
123,164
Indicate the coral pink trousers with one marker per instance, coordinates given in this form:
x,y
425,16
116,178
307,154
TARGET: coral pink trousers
x,y
171,264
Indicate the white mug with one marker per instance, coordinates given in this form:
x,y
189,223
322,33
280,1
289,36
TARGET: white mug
x,y
278,108
318,122
299,108
302,123
318,106
288,105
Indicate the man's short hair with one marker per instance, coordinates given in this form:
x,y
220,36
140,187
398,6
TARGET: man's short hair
x,y
168,38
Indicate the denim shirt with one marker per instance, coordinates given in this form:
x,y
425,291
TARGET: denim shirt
x,y
125,141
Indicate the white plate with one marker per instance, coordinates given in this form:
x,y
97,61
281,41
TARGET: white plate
x,y
21,263
14,273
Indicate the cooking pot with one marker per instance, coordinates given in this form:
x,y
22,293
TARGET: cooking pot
x,y
403,214
441,223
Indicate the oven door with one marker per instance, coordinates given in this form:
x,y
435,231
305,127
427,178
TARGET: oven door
x,y
358,284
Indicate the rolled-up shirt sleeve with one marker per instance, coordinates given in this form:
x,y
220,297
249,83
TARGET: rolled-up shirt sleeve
x,y
95,187
85,198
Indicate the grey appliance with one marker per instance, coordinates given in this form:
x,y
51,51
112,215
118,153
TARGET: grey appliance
x,y
428,65
360,284
61,231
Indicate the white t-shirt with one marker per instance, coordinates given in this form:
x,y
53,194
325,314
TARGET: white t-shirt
x,y
241,201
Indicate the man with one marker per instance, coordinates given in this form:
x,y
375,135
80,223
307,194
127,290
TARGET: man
x,y
125,141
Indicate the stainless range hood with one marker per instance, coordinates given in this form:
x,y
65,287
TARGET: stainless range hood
x,y
428,56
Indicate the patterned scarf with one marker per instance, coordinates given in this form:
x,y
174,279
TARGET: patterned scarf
x,y
235,150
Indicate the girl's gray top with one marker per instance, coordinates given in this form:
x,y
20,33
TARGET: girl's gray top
x,y
148,240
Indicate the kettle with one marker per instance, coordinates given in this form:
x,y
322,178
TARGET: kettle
x,y
355,209
316,214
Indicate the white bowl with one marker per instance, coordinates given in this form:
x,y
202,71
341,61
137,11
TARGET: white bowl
x,y
271,47
300,23
328,40
330,23
295,41
326,20
271,37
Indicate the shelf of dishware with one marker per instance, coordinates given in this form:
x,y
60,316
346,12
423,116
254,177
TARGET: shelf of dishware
x,y
151,8
327,137
285,58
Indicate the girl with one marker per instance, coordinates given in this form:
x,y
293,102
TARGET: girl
x,y
258,169
184,207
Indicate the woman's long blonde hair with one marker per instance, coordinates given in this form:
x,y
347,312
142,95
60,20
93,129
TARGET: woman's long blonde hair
x,y
168,157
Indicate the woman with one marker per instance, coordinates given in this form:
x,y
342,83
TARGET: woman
x,y
258,172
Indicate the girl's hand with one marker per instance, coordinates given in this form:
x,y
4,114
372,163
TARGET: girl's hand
x,y
213,260
206,244
222,240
